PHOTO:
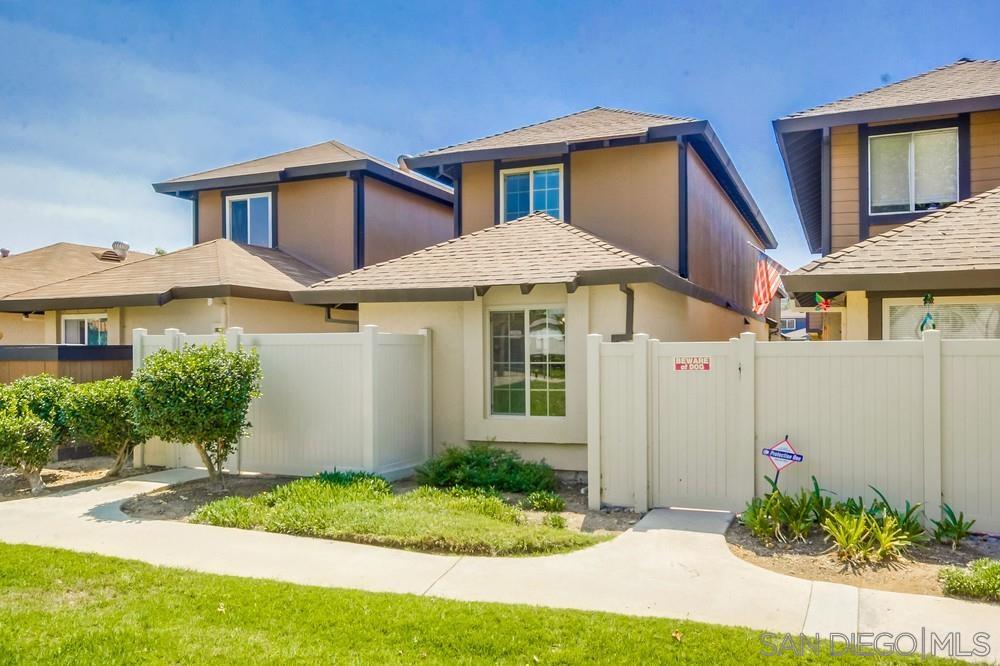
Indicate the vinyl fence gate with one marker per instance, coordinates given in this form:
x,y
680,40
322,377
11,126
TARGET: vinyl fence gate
x,y
683,423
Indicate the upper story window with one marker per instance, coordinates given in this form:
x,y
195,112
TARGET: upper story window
x,y
528,362
85,329
531,189
248,219
913,171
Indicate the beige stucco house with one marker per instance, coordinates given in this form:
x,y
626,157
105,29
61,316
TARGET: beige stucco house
x,y
261,230
861,167
605,221
34,268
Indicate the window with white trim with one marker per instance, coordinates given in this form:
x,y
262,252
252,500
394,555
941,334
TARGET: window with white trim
x,y
524,191
787,324
955,320
913,171
248,219
528,362
85,329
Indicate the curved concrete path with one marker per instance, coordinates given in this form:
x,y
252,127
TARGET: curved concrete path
x,y
674,563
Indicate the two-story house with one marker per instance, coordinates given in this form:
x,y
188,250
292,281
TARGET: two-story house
x,y
875,178
261,230
603,221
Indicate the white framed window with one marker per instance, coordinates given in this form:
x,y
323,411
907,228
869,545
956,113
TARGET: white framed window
x,y
527,361
530,189
957,317
248,219
787,324
912,172
85,329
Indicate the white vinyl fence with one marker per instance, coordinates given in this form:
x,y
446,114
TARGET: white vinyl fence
x,y
683,424
358,401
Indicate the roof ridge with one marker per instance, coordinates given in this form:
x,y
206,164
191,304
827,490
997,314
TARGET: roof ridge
x,y
562,117
896,231
960,61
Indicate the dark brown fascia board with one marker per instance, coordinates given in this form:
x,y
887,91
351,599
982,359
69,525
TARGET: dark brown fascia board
x,y
65,353
640,274
904,112
780,138
139,300
916,281
180,188
322,296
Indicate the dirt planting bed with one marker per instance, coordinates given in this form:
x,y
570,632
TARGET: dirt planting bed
x,y
63,475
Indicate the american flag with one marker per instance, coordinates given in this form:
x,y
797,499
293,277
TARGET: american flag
x,y
765,284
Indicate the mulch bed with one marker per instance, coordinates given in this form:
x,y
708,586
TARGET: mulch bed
x,y
63,475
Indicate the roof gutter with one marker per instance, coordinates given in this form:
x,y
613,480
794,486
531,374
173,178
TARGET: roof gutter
x,y
924,281
143,299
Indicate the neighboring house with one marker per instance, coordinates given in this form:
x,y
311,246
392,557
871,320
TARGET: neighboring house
x,y
59,261
201,289
862,166
793,323
329,205
261,229
603,221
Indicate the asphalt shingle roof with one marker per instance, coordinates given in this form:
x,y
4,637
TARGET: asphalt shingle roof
x,y
596,123
535,249
963,79
963,237
217,263
59,261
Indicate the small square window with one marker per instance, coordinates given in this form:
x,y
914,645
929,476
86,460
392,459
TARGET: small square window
x,y
532,189
248,219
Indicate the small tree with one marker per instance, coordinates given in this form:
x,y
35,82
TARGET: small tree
x,y
44,396
198,395
102,413
25,443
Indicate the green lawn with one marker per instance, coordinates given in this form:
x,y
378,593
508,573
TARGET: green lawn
x,y
58,607
366,511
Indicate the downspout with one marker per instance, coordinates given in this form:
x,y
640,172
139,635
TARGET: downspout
x,y
629,314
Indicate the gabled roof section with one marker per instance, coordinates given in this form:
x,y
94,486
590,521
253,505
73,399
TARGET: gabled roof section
x,y
329,158
535,249
214,269
964,79
588,125
602,127
58,261
957,247
963,86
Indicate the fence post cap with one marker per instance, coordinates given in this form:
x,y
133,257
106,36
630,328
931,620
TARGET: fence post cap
x,y
748,335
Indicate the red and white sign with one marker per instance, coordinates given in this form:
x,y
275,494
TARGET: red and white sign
x,y
682,363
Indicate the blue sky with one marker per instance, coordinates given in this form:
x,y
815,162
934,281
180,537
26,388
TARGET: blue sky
x,y
99,101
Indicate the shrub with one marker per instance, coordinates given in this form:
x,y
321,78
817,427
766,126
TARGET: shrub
x,y
980,581
345,478
102,413
951,528
849,532
554,520
863,536
483,466
198,395
44,396
25,443
544,500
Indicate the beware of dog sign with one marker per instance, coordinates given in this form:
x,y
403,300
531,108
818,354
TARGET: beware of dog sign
x,y
683,363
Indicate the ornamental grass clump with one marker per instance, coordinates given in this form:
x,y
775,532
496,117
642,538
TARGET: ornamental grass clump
x,y
198,395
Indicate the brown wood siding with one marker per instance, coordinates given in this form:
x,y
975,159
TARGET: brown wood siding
x,y
477,196
722,254
398,222
628,196
209,216
78,371
984,149
844,182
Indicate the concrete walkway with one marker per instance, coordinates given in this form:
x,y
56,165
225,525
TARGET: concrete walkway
x,y
674,563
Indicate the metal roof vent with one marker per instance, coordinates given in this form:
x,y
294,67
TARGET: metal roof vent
x,y
118,252
4,253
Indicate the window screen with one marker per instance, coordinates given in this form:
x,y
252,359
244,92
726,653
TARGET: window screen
x,y
956,321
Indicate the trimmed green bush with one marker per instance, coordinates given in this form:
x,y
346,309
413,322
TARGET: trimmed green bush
x,y
198,395
981,580
484,466
544,500
25,443
450,520
102,413
44,396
